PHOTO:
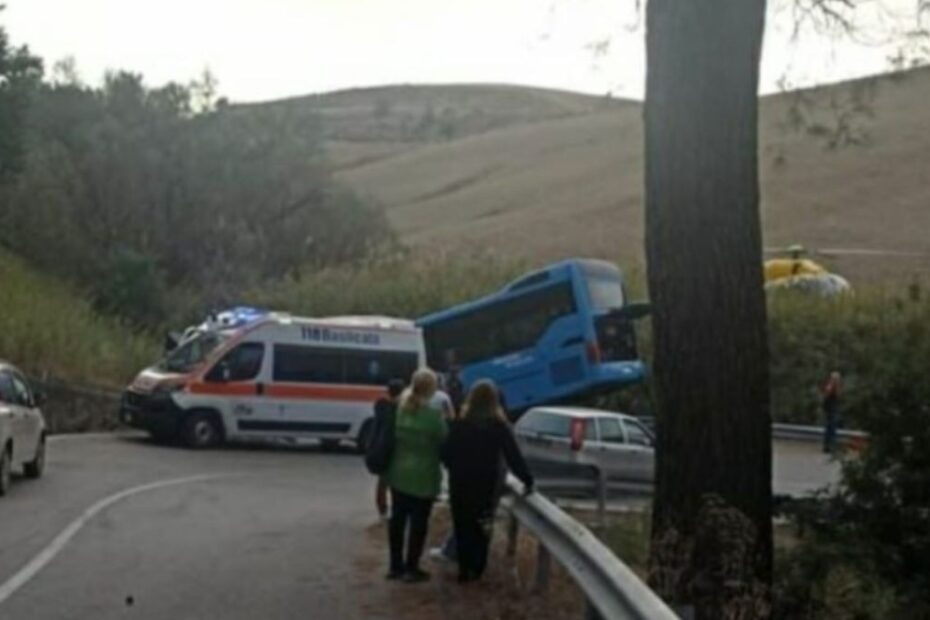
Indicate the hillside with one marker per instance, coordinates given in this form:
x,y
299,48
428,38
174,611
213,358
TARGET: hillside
x,y
557,174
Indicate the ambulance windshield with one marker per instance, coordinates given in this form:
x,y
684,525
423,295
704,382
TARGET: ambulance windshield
x,y
192,352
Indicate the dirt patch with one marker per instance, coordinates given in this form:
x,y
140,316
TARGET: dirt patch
x,y
505,593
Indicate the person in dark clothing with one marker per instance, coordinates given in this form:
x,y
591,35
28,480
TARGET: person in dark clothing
x,y
831,411
385,407
480,439
453,381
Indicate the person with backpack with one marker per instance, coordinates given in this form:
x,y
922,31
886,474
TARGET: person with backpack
x,y
382,433
480,443
414,476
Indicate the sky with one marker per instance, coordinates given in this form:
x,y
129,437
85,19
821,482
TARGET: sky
x,y
269,49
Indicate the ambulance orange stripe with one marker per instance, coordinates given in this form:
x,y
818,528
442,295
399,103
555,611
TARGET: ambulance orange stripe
x,y
223,389
352,393
326,392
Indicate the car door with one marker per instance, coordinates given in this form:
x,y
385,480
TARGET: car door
x,y
641,446
545,440
29,419
616,457
8,411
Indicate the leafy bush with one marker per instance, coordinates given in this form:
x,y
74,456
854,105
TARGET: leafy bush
x,y
809,337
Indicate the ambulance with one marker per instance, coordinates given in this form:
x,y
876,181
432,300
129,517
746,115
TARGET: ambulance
x,y
249,374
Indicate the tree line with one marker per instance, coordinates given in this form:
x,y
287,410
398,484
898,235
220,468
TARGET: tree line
x,y
139,193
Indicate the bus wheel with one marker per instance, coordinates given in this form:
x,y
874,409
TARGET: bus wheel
x,y
201,429
364,438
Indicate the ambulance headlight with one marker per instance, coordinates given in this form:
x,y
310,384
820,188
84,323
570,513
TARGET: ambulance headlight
x,y
165,391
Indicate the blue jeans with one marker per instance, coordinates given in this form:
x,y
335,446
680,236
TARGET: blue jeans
x,y
829,432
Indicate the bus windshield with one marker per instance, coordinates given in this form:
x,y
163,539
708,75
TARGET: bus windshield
x,y
605,287
191,352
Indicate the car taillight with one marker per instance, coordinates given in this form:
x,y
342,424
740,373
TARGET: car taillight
x,y
577,434
594,353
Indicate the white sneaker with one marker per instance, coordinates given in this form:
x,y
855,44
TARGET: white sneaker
x,y
437,554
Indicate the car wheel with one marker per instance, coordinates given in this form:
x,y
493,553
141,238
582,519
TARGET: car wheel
x,y
5,466
364,438
36,467
201,430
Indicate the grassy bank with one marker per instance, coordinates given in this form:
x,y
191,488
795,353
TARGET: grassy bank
x,y
48,328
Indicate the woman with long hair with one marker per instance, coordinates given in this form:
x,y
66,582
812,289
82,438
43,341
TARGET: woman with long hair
x,y
414,475
480,443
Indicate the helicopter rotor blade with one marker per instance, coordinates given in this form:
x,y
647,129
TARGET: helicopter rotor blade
x,y
869,252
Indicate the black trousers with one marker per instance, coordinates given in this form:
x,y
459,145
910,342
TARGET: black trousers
x,y
410,520
473,502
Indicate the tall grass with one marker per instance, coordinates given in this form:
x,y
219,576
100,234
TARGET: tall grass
x,y
402,286
47,328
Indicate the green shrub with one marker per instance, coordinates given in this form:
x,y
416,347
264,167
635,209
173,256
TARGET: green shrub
x,y
45,328
809,337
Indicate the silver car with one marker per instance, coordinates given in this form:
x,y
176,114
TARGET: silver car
x,y
569,442
22,427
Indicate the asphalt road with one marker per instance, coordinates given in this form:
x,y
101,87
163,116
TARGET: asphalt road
x,y
122,528
269,534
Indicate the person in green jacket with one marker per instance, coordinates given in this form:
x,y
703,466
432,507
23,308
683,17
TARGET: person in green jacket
x,y
414,476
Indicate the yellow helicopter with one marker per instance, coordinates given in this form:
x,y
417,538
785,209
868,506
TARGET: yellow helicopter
x,y
794,271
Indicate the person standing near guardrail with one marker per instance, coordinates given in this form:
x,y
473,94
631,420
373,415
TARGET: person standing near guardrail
x,y
384,416
414,476
479,440
831,411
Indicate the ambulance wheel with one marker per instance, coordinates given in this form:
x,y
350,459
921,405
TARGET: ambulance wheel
x,y
201,430
364,438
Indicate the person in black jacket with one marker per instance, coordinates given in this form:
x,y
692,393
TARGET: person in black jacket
x,y
385,408
480,442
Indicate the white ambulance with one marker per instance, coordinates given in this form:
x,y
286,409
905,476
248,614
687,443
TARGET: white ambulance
x,y
248,374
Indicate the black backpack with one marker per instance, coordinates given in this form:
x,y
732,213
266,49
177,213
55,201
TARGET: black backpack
x,y
380,447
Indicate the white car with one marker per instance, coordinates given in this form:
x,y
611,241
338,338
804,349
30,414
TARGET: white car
x,y
567,442
22,427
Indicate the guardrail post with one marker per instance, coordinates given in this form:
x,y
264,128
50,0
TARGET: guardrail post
x,y
513,529
601,488
543,562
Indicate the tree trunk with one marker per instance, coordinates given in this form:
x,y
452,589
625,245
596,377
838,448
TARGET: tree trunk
x,y
712,519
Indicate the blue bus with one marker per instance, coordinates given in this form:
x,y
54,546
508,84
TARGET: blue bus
x,y
558,334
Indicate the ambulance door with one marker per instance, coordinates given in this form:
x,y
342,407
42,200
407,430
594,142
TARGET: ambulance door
x,y
309,385
239,377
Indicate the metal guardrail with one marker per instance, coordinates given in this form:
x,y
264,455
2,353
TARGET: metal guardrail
x,y
801,432
798,432
612,590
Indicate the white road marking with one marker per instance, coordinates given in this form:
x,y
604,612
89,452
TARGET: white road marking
x,y
37,563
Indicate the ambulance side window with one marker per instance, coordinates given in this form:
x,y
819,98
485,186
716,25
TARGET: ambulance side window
x,y
241,364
